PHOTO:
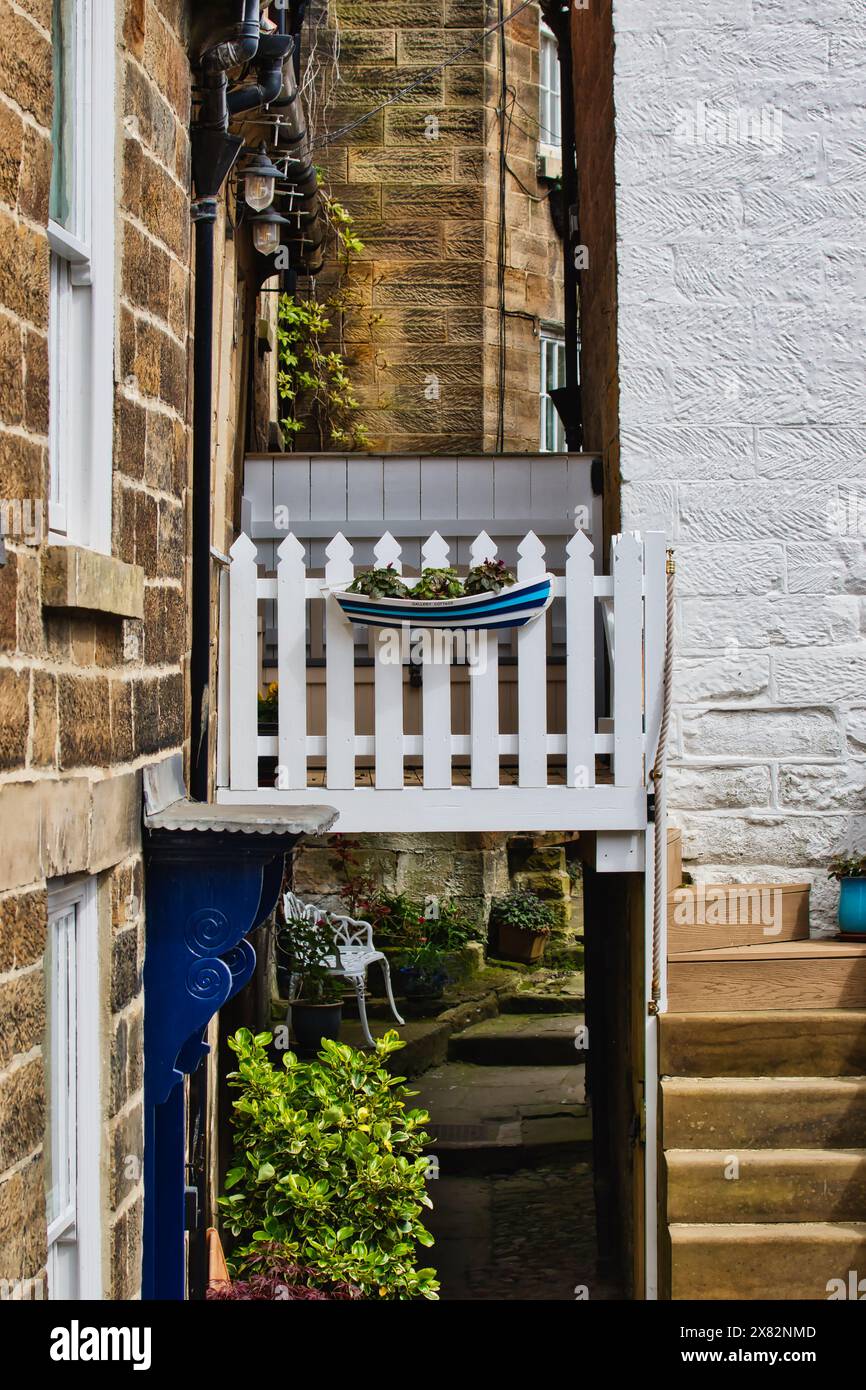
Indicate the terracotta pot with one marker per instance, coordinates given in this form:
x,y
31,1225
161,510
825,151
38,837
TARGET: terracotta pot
x,y
525,946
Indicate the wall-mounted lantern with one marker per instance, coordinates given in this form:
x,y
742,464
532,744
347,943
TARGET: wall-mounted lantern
x,y
266,231
260,180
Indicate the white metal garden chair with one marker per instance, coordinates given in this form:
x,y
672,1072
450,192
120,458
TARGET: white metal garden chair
x,y
353,952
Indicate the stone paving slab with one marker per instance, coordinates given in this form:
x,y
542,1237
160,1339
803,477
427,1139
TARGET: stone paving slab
x,y
526,1236
460,1092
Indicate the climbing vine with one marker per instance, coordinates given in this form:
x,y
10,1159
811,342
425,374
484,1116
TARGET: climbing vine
x,y
312,375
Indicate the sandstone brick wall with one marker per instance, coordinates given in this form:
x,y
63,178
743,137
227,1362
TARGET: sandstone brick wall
x,y
86,697
741,334
421,178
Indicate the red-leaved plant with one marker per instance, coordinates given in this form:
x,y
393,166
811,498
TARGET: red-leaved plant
x,y
274,1277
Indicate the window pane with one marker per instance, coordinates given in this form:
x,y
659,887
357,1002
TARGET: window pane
x,y
548,89
61,1080
60,206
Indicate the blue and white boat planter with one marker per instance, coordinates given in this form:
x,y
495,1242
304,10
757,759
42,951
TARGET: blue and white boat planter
x,y
514,606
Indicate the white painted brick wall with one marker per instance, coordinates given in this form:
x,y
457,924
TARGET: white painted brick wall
x,y
742,343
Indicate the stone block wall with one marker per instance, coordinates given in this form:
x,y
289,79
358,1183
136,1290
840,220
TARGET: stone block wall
x,y
741,330
88,695
465,869
421,178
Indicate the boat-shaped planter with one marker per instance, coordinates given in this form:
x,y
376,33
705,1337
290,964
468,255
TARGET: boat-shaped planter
x,y
513,606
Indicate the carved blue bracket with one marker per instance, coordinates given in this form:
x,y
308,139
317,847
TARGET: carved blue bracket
x,y
205,892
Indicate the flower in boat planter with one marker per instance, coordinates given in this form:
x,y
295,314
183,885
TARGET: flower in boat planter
x,y
379,583
488,578
444,583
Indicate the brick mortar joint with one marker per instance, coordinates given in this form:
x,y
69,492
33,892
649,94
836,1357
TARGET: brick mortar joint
x,y
20,1060
21,973
126,215
85,772
20,1164
131,59
23,664
148,316
155,403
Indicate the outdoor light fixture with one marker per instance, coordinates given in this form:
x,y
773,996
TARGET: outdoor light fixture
x,y
260,178
266,231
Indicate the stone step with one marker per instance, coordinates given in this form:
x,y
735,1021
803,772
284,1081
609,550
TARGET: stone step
x,y
764,1112
808,1042
489,1119
765,1185
505,1146
520,1040
791,975
526,1002
781,1260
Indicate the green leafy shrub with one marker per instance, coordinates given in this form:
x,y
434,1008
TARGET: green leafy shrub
x,y
523,910
329,1166
379,583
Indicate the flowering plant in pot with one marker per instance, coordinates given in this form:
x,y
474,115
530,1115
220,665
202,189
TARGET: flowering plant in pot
x,y
421,972
851,873
522,923
315,996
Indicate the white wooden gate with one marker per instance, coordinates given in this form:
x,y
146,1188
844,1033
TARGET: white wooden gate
x,y
591,776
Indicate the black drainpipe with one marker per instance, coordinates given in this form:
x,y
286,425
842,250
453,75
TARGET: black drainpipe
x,y
204,216
214,152
566,398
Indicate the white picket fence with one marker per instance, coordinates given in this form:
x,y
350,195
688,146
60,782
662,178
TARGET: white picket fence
x,y
633,599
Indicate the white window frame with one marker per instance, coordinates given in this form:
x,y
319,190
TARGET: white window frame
x,y
81,300
551,432
549,111
74,1065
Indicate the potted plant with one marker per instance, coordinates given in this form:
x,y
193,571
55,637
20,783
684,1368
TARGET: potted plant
x,y
522,923
315,996
421,972
851,873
